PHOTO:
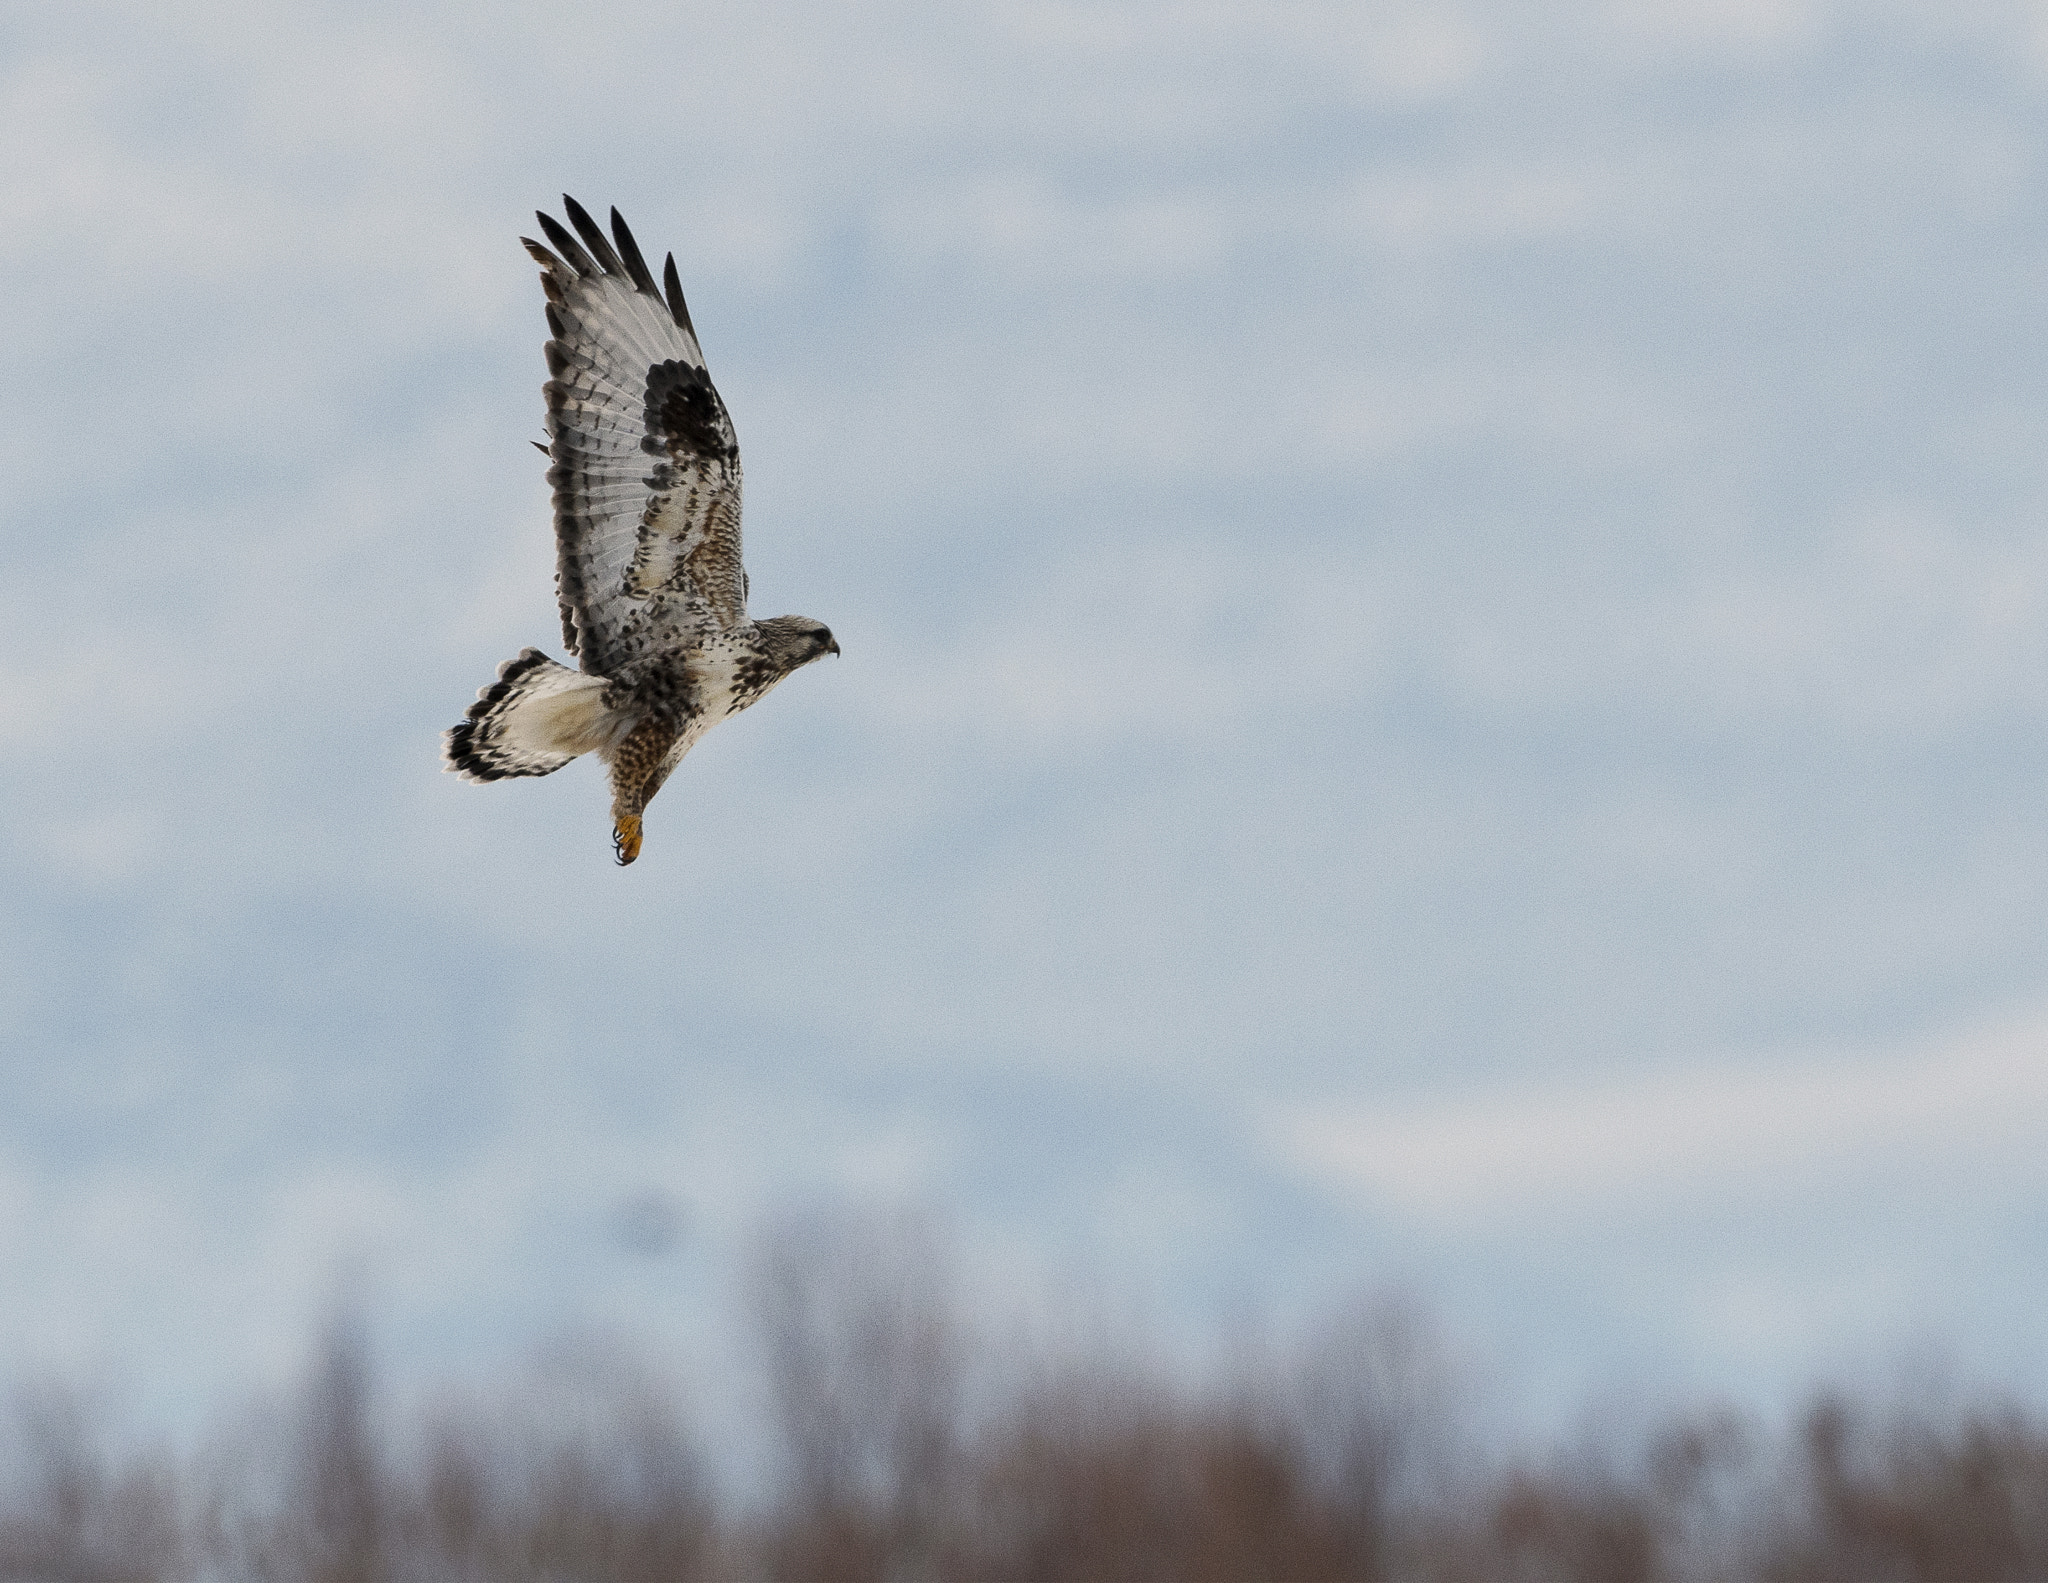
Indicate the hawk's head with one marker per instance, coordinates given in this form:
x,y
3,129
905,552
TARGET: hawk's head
x,y
796,640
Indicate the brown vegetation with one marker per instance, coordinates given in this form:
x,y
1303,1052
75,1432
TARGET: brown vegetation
x,y
912,1450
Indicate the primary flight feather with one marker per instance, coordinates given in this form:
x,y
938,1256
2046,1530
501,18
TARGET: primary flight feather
x,y
646,474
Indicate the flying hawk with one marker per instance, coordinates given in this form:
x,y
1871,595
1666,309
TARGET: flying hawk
x,y
647,529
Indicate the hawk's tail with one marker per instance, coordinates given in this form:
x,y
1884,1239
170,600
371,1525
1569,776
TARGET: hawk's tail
x,y
531,721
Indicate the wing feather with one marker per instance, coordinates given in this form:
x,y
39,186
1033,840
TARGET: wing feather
x,y
646,470
567,245
629,250
679,310
600,247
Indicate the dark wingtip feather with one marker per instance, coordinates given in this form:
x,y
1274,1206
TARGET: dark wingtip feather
x,y
567,245
673,284
554,322
600,246
629,250
540,448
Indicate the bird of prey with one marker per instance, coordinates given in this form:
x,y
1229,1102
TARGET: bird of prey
x,y
646,475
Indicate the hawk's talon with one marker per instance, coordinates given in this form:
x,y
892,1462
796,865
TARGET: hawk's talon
x,y
626,840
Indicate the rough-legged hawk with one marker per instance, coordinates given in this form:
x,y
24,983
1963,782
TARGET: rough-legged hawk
x,y
647,526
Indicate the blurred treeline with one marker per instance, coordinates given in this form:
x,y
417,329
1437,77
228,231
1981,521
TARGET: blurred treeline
x,y
913,1447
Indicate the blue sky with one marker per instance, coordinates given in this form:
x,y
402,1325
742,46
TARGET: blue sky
x,y
1446,653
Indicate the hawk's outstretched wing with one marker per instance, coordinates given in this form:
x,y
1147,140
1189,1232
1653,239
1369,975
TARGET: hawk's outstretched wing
x,y
646,468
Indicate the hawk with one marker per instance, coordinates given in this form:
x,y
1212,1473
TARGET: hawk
x,y
646,475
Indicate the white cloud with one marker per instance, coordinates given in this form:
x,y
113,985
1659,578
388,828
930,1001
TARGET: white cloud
x,y
1740,27
1714,1130
1389,56
1022,228
1492,203
1890,621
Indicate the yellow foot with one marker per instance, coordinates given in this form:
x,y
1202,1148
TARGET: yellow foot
x,y
626,839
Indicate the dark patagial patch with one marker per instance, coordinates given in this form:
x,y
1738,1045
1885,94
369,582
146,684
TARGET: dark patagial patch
x,y
683,410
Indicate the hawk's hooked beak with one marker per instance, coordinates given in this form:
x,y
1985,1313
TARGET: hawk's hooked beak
x,y
832,647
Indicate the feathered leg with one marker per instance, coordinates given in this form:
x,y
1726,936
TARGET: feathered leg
x,y
636,776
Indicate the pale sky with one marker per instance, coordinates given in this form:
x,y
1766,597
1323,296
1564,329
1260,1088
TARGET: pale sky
x,y
1446,660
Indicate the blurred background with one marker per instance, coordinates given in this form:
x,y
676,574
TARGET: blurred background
x,y
1446,653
